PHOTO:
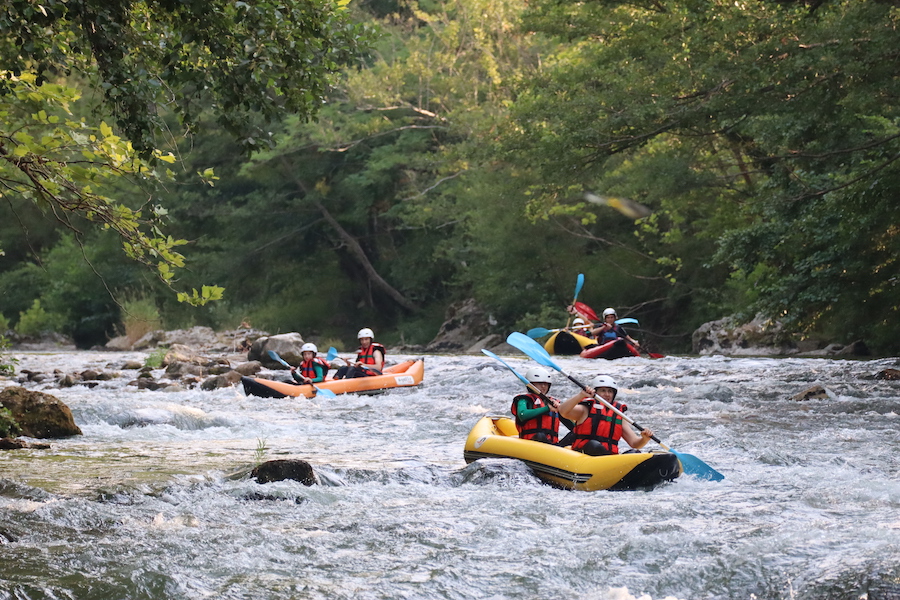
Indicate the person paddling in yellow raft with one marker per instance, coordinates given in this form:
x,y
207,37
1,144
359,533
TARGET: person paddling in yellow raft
x,y
536,413
598,429
313,369
369,358
582,327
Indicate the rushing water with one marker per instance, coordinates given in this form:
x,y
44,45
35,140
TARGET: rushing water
x,y
153,501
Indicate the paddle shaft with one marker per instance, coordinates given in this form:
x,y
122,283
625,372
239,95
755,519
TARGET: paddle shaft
x,y
332,354
521,377
275,356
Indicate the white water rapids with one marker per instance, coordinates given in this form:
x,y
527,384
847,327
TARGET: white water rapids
x,y
150,503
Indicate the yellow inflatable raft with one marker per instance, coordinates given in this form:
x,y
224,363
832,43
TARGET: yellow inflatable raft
x,y
567,343
497,437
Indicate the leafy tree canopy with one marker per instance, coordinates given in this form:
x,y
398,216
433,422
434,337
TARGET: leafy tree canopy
x,y
247,63
241,60
769,129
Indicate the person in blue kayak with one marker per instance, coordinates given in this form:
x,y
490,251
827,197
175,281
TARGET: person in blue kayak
x,y
536,413
598,429
608,331
312,369
369,358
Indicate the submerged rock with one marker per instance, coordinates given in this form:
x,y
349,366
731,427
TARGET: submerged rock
x,y
889,375
279,470
816,392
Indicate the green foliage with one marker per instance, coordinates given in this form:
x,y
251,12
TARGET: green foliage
x,y
259,455
758,133
8,425
7,362
61,163
154,360
36,321
454,163
243,60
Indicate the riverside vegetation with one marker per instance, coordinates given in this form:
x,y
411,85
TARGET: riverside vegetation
x,y
427,153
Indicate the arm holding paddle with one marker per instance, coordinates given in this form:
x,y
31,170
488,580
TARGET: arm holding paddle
x,y
369,359
578,412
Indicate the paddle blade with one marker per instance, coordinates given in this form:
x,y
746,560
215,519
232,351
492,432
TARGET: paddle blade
x,y
495,357
696,467
530,347
626,321
332,354
586,311
324,393
579,283
274,356
537,332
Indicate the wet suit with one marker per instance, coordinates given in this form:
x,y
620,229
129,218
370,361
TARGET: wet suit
x,y
523,413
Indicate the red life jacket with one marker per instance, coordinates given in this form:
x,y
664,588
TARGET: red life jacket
x,y
547,424
602,425
367,356
307,370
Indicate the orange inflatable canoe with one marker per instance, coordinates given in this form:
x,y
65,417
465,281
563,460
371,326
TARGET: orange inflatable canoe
x,y
406,374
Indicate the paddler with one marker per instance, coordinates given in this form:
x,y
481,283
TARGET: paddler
x,y
369,358
535,412
598,429
313,369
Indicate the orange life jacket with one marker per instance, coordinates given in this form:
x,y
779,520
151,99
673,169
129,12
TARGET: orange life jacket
x,y
307,370
367,356
601,424
547,424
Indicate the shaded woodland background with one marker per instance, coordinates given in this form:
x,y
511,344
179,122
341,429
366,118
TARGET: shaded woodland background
x,y
389,158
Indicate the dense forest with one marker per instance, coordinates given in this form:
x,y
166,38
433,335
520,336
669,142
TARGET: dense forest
x,y
319,167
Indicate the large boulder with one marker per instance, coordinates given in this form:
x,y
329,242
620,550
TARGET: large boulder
x,y
759,337
38,414
286,345
765,337
466,323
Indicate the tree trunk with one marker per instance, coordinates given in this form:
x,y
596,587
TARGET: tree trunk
x,y
357,251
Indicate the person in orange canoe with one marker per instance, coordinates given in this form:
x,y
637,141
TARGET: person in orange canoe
x,y
369,358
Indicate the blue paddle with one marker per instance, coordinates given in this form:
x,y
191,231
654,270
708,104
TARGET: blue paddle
x,y
539,332
517,374
579,283
326,393
691,464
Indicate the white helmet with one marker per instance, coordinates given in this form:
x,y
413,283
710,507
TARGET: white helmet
x,y
365,332
605,381
537,375
609,311
578,321
309,347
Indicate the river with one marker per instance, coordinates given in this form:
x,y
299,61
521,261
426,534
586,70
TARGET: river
x,y
152,502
